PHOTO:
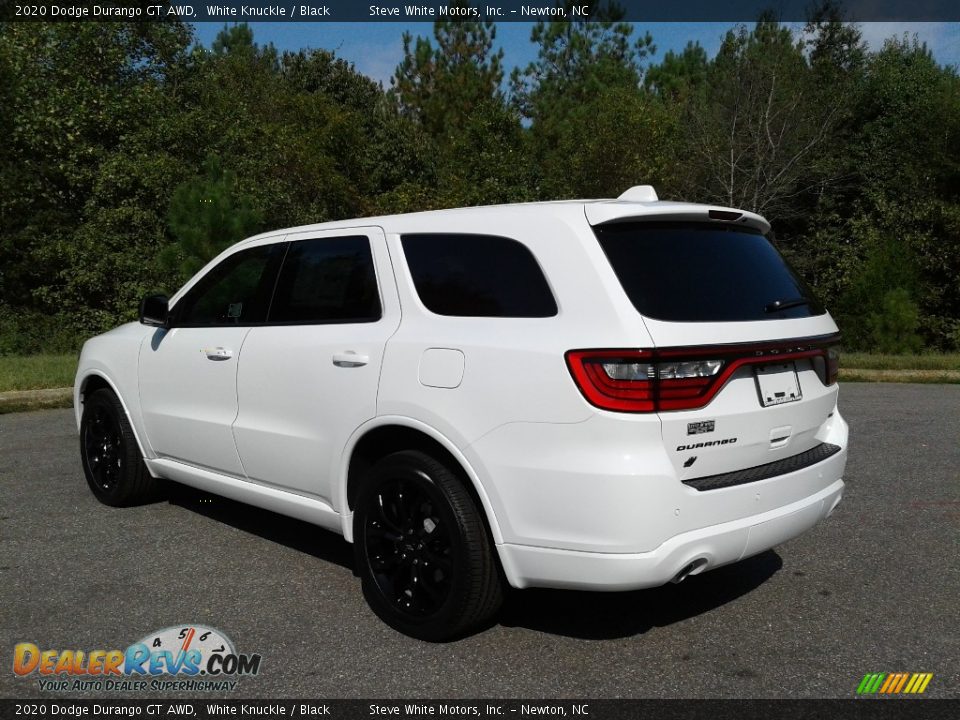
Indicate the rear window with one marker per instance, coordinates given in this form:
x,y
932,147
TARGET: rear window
x,y
477,276
703,272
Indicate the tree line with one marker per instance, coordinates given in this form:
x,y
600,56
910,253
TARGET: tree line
x,y
132,154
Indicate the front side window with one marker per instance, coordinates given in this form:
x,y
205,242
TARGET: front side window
x,y
477,276
327,280
235,292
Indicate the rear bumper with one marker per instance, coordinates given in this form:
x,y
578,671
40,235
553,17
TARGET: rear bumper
x,y
707,548
600,505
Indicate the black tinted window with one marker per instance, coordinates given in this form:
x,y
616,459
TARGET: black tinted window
x,y
327,280
703,273
477,276
235,292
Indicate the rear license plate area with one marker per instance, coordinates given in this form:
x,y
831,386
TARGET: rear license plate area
x,y
777,384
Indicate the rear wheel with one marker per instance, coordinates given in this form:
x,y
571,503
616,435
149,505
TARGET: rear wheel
x,y
112,461
422,550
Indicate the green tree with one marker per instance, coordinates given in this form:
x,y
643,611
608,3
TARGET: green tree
x,y
395,164
450,88
234,39
441,86
576,60
620,138
81,94
582,66
894,324
678,74
854,155
900,214
207,215
758,128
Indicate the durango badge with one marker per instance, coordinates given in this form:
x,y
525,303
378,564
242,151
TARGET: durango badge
x,y
706,444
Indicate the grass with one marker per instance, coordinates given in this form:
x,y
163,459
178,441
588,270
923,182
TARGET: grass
x,y
34,372
874,361
950,377
926,368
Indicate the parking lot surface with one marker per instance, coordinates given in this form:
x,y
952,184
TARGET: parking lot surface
x,y
874,588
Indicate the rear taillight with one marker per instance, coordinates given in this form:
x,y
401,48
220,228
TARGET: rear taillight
x,y
833,364
628,381
683,378
614,380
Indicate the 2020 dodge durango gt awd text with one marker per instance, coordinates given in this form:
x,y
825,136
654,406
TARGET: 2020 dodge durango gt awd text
x,y
604,395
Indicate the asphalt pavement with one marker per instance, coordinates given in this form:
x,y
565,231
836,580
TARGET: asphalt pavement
x,y
874,588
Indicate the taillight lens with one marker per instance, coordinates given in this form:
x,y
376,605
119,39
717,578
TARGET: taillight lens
x,y
833,364
629,382
614,380
685,378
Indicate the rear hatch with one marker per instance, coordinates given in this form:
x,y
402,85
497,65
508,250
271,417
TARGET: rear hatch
x,y
743,372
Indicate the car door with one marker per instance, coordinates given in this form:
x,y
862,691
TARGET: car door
x,y
309,377
188,372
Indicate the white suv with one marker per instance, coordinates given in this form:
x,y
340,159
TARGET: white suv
x,y
600,394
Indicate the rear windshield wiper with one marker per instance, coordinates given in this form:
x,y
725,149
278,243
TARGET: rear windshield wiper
x,y
778,305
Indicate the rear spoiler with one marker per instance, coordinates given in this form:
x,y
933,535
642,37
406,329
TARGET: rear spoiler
x,y
602,212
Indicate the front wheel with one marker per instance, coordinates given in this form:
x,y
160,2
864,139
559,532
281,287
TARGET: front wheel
x,y
112,461
422,550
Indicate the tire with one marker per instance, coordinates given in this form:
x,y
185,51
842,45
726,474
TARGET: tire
x,y
112,461
422,551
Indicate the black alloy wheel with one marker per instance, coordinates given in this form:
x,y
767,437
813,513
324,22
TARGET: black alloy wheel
x,y
103,449
112,462
409,547
422,549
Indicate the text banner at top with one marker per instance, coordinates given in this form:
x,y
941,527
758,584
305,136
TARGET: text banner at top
x,y
496,10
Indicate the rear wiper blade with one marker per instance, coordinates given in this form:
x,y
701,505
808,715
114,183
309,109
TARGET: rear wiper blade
x,y
777,305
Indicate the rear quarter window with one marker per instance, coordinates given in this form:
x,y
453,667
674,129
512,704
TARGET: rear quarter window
x,y
704,272
469,275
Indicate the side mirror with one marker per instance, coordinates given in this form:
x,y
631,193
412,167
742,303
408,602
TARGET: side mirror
x,y
155,311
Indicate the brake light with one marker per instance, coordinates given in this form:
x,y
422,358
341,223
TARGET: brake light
x,y
629,382
642,381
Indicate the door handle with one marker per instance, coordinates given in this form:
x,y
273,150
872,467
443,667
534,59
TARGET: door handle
x,y
218,353
350,359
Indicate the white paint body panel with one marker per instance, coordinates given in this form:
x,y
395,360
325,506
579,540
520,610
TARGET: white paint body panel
x,y
575,496
189,401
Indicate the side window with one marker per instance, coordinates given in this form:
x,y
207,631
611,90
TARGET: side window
x,y
477,276
327,280
235,292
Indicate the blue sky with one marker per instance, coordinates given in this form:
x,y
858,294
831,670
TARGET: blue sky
x,y
375,48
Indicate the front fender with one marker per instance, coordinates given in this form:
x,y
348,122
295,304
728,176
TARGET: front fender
x,y
113,359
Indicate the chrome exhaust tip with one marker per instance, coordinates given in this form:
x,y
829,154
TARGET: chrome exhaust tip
x,y
688,569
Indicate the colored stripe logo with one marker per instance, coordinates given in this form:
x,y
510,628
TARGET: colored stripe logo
x,y
894,683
